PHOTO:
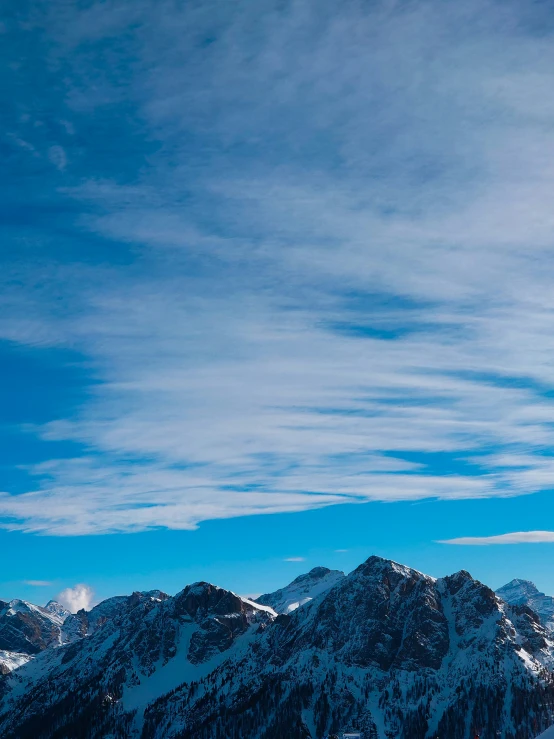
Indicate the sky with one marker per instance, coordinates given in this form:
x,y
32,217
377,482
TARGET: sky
x,y
276,291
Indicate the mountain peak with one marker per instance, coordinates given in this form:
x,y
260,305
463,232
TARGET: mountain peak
x,y
57,610
524,592
521,587
301,590
317,572
375,565
202,598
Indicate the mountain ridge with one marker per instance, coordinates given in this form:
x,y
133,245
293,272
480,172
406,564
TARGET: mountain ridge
x,y
385,650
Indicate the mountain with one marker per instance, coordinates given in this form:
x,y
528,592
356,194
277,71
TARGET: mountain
x,y
150,647
59,612
519,592
29,629
85,623
386,650
302,590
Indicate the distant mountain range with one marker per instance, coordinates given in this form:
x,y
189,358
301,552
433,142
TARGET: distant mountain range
x,y
384,650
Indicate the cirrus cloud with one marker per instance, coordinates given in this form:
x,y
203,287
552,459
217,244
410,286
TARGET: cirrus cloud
x,y
325,258
38,583
517,537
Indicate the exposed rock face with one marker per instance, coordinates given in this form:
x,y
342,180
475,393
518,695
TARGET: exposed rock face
x,y
385,650
382,615
85,623
26,628
221,616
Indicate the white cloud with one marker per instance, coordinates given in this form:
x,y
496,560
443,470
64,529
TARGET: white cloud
x,y
38,583
75,598
517,537
295,559
370,281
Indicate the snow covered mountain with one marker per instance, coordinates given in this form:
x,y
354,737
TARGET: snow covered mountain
x,y
519,592
302,590
385,650
27,629
85,623
59,612
150,647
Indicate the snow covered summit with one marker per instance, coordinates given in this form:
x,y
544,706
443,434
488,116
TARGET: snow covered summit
x,y
524,592
59,612
302,590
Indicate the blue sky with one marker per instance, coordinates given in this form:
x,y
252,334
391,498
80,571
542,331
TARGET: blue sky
x,y
276,282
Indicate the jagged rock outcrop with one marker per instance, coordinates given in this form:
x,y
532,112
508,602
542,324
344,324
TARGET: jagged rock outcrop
x,y
28,629
84,623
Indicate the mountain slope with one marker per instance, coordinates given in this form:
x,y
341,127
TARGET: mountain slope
x,y
386,650
518,592
302,590
105,680
84,623
29,629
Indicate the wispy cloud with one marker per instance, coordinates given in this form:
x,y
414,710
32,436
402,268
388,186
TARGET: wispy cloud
x,y
328,242
295,559
38,583
517,537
